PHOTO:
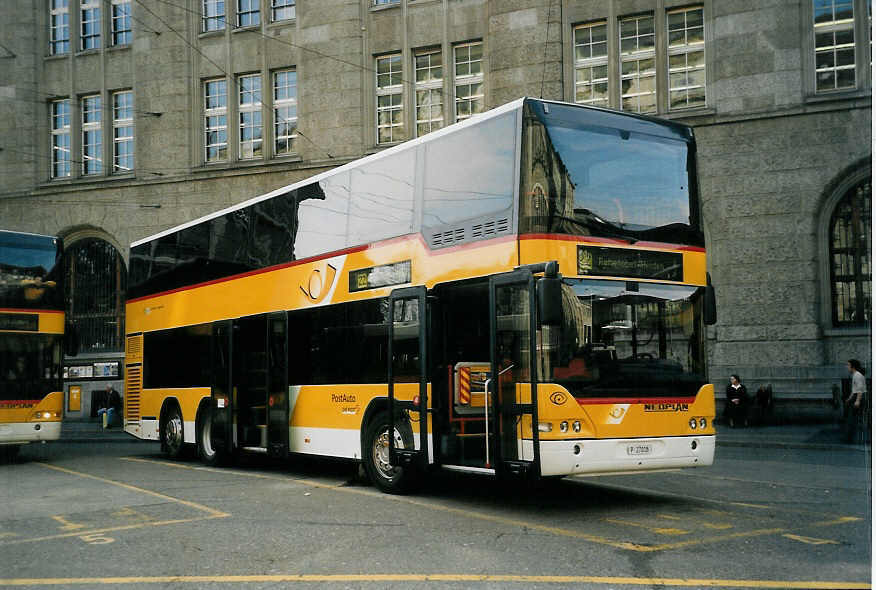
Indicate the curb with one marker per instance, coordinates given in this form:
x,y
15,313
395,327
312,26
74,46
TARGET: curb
x,y
793,445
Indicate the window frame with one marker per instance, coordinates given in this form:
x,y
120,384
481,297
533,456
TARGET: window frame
x,y
284,103
91,127
121,36
637,56
686,49
468,80
215,112
122,125
856,278
252,107
392,91
255,14
431,86
92,41
590,63
62,131
60,12
280,7
212,22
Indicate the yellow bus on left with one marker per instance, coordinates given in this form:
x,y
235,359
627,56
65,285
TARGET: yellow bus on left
x,y
31,339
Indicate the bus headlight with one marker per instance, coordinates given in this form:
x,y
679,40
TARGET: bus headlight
x,y
703,423
43,415
545,426
564,426
693,423
576,426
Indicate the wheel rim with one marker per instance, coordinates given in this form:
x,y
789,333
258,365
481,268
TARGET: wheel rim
x,y
207,437
380,453
173,433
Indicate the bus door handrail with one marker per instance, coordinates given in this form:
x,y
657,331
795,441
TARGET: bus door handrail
x,y
487,410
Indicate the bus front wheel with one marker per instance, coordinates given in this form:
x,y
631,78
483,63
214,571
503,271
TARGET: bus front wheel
x,y
172,441
206,451
375,456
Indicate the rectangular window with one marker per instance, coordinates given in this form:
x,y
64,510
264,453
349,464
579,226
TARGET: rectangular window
x,y
429,74
121,22
591,64
89,37
60,114
686,50
834,27
92,135
59,27
213,15
285,112
638,73
123,131
469,79
385,2
250,116
390,111
282,10
215,122
248,13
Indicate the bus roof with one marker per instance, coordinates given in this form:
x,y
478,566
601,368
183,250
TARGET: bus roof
x,y
606,116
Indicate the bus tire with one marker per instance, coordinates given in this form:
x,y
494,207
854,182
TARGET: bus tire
x,y
375,455
172,438
204,427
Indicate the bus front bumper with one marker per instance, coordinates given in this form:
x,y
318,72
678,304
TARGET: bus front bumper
x,y
591,456
25,432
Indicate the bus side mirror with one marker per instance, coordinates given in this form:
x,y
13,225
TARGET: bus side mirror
x,y
71,339
549,292
710,309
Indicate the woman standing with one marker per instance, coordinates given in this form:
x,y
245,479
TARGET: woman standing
x,y
736,406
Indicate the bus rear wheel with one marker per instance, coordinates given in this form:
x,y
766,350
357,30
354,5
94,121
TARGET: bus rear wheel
x,y
375,455
172,441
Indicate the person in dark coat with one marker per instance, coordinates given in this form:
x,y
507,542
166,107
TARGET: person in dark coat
x,y
113,406
736,406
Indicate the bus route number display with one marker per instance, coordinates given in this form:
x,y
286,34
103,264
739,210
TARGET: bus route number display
x,y
23,322
639,264
397,273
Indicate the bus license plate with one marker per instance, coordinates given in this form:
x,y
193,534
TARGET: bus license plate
x,y
639,450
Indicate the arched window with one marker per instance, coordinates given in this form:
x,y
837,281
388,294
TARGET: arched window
x,y
96,282
850,255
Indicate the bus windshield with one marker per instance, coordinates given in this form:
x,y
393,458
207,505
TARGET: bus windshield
x,y
30,365
29,277
626,339
588,172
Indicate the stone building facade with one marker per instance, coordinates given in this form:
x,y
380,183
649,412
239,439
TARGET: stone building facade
x,y
121,118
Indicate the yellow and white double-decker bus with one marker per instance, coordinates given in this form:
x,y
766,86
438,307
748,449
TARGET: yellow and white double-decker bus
x,y
31,337
524,292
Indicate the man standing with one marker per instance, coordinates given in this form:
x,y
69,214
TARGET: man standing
x,y
113,407
855,401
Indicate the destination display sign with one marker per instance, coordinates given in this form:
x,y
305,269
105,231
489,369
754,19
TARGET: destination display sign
x,y
397,273
23,322
638,264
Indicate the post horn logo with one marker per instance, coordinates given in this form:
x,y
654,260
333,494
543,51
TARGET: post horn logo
x,y
616,412
558,398
319,283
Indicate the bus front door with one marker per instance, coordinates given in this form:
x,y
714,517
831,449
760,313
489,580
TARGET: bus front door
x,y
512,442
408,390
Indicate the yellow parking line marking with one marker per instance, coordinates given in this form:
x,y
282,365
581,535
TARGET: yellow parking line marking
x,y
7,535
195,505
668,517
68,526
718,526
840,520
128,511
658,530
719,539
810,540
484,578
746,505
125,527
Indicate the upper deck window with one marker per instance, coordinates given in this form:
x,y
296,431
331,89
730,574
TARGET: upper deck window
x,y
593,173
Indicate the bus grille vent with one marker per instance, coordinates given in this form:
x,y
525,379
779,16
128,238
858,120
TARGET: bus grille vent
x,y
134,348
447,238
133,385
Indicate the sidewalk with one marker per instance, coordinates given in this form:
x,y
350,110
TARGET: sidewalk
x,y
91,432
825,437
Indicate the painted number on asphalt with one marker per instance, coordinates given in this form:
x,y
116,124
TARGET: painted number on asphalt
x,y
97,539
